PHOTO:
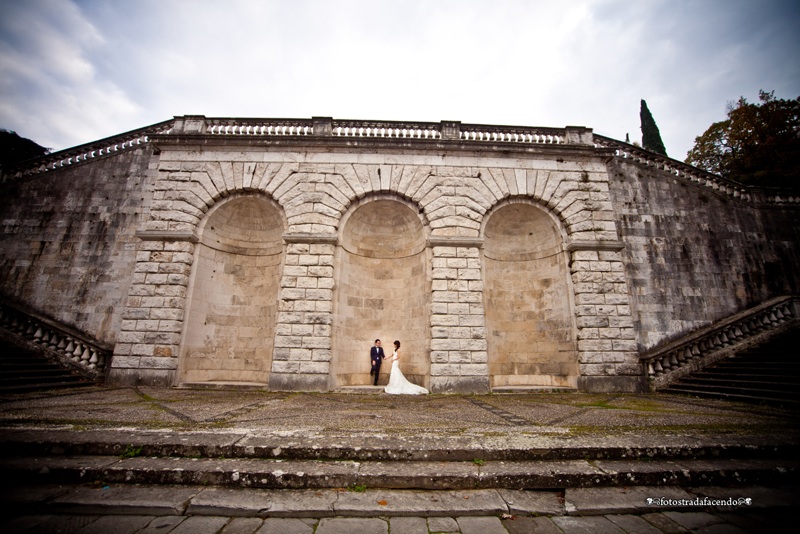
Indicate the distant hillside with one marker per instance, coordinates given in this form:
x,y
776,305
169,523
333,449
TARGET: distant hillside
x,y
14,148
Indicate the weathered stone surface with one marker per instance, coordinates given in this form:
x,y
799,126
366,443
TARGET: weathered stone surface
x,y
545,265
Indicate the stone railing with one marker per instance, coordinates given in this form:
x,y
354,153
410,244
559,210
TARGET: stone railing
x,y
512,134
322,127
259,127
385,129
87,152
432,131
701,348
695,175
71,347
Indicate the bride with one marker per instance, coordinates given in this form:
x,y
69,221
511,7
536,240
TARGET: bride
x,y
398,384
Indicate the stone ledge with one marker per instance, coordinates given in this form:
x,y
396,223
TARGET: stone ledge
x,y
331,239
595,245
159,235
444,241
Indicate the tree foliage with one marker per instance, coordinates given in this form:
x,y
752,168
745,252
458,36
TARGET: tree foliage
x,y
651,137
14,149
758,144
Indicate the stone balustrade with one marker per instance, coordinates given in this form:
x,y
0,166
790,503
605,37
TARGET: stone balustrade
x,y
695,175
704,347
72,347
384,130
512,134
259,127
87,152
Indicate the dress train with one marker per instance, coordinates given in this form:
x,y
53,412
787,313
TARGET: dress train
x,y
399,385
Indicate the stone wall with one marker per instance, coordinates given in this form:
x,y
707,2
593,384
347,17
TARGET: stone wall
x,y
68,239
694,255
499,256
348,278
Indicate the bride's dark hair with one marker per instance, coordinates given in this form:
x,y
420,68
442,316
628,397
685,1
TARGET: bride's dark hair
x,y
396,343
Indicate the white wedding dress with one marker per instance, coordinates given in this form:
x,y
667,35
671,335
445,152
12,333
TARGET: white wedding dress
x,y
398,385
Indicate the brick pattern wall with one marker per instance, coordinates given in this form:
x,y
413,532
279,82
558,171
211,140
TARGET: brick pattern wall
x,y
316,194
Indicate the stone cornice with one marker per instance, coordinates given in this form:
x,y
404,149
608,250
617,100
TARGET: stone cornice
x,y
447,241
595,245
314,239
159,235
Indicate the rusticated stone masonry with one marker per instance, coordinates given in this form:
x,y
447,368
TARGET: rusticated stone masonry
x,y
458,346
303,336
274,251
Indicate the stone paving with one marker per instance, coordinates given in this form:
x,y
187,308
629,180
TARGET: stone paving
x,y
546,414
671,522
491,422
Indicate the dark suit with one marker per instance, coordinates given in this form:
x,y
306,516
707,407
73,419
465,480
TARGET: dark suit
x,y
376,357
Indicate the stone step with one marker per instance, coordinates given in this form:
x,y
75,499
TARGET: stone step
x,y
766,374
39,386
165,501
739,395
765,368
318,474
25,371
786,389
757,375
370,446
34,377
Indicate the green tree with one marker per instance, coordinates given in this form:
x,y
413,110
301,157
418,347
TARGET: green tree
x,y
758,144
651,137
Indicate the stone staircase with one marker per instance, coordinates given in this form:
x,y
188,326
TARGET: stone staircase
x,y
239,460
166,473
23,370
768,373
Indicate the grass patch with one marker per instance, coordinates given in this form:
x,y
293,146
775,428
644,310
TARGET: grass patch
x,y
131,452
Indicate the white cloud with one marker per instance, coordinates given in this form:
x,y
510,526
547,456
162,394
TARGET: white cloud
x,y
96,67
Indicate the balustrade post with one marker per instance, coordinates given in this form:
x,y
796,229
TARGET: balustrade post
x,y
190,124
451,130
579,135
323,126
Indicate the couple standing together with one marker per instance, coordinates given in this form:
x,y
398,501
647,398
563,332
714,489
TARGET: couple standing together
x,y
398,384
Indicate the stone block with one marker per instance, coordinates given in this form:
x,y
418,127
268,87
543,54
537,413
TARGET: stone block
x,y
297,382
154,362
125,362
445,344
473,344
465,385
280,366
445,296
612,384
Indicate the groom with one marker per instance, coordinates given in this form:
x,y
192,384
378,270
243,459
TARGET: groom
x,y
376,356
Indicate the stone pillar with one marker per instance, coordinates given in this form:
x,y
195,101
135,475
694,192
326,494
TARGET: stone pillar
x,y
147,345
459,356
451,130
607,350
323,126
579,135
302,354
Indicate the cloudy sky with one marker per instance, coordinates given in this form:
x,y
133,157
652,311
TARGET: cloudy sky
x,y
73,71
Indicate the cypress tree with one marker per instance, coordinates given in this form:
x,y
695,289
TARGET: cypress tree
x,y
651,137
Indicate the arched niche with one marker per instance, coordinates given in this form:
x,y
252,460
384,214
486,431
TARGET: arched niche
x,y
382,291
529,325
232,307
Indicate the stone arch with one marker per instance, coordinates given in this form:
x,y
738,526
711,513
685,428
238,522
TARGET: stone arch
x,y
233,292
527,298
382,290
